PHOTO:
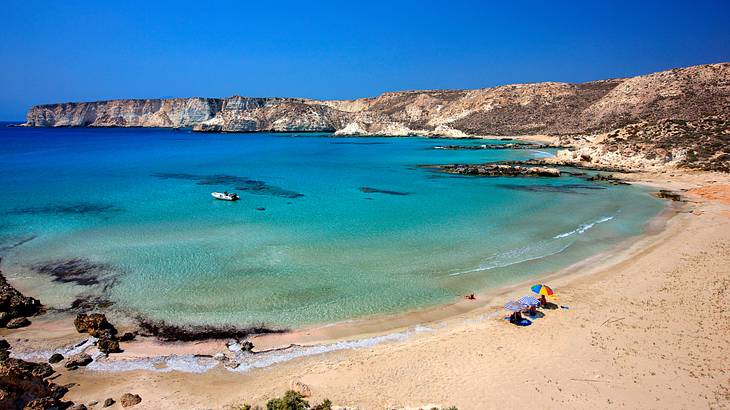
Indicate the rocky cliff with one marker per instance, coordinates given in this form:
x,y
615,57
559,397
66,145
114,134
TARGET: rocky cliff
x,y
172,112
665,111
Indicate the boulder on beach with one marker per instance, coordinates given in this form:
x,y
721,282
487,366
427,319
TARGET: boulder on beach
x,y
108,345
17,323
45,403
109,402
55,358
93,324
81,359
129,399
126,337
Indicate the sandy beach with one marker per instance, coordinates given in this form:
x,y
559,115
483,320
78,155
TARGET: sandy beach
x,y
646,327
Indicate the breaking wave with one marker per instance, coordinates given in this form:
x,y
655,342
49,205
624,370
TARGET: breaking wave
x,y
538,250
579,230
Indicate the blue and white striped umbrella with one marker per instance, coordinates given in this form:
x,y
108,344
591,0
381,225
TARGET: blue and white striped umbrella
x,y
528,301
513,306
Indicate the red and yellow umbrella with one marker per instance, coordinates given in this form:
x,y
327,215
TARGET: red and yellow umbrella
x,y
541,289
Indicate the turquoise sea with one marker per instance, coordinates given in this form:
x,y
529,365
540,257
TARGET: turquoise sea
x,y
327,229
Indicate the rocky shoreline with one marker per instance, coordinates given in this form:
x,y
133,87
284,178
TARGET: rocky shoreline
x,y
15,308
497,170
510,145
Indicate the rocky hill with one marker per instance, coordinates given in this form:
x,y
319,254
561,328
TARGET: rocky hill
x,y
671,117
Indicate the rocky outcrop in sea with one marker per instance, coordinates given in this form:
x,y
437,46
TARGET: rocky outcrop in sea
x,y
498,170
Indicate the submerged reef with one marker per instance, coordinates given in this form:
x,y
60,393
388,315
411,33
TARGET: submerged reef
x,y
563,189
238,183
369,190
78,271
188,333
80,208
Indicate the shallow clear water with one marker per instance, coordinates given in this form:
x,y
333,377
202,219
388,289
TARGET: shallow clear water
x,y
138,201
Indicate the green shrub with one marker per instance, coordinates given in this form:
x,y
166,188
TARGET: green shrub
x,y
290,401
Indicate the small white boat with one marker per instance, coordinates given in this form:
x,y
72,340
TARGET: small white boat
x,y
225,196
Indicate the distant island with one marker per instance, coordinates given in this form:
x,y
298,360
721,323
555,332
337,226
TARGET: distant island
x,y
675,118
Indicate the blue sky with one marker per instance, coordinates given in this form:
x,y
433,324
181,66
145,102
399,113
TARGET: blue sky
x,y
53,51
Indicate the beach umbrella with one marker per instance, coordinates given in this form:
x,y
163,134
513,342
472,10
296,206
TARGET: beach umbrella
x,y
513,306
528,301
541,289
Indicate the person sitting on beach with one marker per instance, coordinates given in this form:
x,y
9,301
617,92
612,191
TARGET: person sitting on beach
x,y
532,311
515,317
471,297
543,301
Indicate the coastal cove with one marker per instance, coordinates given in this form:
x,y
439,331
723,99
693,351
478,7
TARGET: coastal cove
x,y
328,229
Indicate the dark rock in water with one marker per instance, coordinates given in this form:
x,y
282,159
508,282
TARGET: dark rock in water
x,y
607,178
14,304
79,271
553,162
108,345
81,359
261,209
666,194
93,324
369,190
129,399
168,332
17,323
55,358
496,170
108,402
251,186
